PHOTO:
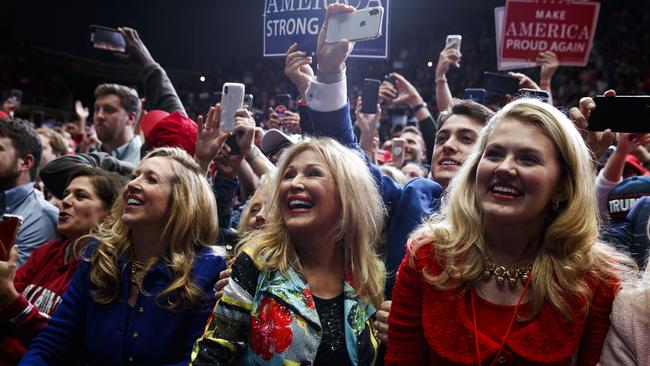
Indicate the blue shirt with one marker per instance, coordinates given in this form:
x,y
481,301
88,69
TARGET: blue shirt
x,y
115,333
39,218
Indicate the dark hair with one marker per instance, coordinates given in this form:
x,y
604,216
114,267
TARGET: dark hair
x,y
468,108
129,98
24,139
108,185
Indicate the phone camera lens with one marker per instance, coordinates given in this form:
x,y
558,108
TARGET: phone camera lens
x,y
374,12
225,90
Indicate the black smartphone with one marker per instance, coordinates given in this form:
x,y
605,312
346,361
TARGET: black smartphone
x,y
629,113
109,39
370,94
389,79
283,100
533,93
499,83
248,101
477,95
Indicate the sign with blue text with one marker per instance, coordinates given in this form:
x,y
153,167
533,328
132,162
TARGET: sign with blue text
x,y
289,21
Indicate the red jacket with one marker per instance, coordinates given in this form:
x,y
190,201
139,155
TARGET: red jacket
x,y
41,281
432,326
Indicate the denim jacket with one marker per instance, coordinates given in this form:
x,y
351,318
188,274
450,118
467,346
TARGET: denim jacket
x,y
275,318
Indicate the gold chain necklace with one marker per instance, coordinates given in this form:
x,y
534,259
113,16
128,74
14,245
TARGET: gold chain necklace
x,y
507,274
138,270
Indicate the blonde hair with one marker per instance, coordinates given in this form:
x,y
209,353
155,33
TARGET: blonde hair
x,y
570,247
262,194
357,231
191,219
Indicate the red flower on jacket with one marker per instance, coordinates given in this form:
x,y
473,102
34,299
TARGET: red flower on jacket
x,y
271,329
307,298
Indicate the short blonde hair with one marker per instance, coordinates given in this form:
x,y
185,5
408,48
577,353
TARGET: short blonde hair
x,y
570,247
357,231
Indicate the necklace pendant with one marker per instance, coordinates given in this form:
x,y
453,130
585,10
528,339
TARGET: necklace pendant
x,y
500,279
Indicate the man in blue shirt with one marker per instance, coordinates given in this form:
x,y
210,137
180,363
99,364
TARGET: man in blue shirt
x,y
20,156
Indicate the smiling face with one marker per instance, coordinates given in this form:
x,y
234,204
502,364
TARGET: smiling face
x,y
81,208
413,148
519,174
308,196
147,196
454,141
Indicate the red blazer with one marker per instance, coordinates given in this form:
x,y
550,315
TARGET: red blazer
x,y
435,327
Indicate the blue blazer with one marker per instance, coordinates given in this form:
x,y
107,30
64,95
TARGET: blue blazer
x,y
407,206
116,334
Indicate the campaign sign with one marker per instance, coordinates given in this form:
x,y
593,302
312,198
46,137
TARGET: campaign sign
x,y
498,27
564,27
289,21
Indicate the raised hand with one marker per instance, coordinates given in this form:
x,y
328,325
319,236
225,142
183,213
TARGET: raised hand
x,y
406,92
367,123
524,81
598,142
332,56
297,69
387,93
244,130
448,56
82,112
210,139
549,64
136,51
8,292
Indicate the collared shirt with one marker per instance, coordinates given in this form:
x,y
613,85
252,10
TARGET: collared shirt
x,y
39,218
129,152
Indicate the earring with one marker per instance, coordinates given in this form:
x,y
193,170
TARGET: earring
x,y
555,204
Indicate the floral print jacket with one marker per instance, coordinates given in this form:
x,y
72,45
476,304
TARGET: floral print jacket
x,y
265,318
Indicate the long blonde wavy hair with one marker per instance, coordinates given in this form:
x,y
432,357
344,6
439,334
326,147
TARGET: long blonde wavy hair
x,y
357,232
569,249
191,219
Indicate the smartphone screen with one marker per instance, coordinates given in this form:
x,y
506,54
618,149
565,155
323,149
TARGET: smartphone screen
x,y
455,39
500,83
283,100
9,227
370,94
533,93
621,114
108,39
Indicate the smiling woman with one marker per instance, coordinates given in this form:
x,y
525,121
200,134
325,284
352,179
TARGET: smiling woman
x,y
144,288
513,255
306,288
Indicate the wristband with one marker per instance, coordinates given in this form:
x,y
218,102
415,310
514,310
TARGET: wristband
x,y
441,79
419,106
253,154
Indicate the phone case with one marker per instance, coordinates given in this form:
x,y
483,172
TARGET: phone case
x,y
621,114
9,227
500,83
360,25
108,39
477,95
455,38
232,99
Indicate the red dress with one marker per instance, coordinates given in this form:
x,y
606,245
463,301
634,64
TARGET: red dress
x,y
435,327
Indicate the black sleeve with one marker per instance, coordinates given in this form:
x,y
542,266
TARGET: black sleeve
x,y
159,90
428,129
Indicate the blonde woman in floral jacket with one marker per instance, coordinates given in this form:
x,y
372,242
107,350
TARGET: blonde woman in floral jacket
x,y
306,288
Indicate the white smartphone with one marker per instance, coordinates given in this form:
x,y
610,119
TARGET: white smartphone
x,y
232,99
455,39
360,25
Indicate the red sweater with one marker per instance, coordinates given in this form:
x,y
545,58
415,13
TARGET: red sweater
x,y
435,327
41,281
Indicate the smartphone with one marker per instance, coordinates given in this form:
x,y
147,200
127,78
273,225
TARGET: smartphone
x,y
232,99
455,39
231,141
108,39
283,100
370,94
248,101
360,25
627,113
390,79
500,83
533,93
397,151
477,95
9,227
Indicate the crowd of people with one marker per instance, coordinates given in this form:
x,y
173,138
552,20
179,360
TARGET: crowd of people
x,y
314,233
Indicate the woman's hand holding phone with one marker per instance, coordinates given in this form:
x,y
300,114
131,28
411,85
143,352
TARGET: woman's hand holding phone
x,y
8,291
